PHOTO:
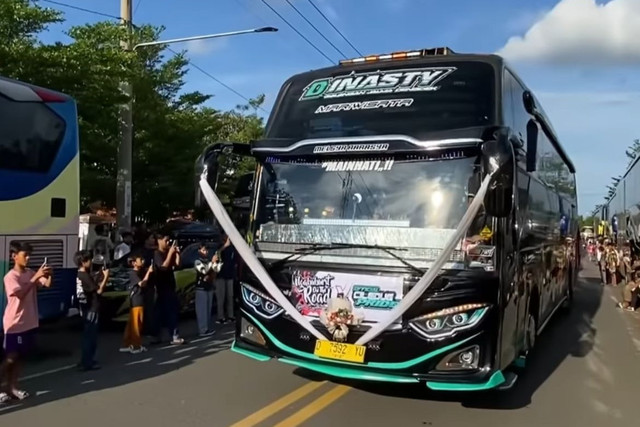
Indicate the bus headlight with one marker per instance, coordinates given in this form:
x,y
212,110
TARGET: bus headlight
x,y
447,322
260,303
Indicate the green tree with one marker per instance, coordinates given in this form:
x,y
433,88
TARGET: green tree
x,y
171,127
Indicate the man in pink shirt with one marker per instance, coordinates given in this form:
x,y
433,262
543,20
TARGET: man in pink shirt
x,y
20,319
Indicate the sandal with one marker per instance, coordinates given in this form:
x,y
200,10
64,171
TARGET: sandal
x,y
4,398
20,394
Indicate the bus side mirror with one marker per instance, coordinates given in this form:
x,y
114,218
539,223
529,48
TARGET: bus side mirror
x,y
529,102
498,159
208,165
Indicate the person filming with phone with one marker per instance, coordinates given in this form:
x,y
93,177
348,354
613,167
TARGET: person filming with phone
x,y
20,320
165,260
88,291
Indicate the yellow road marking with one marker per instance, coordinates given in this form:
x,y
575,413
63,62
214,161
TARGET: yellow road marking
x,y
264,413
314,407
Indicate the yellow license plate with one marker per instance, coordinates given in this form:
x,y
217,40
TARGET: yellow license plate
x,y
340,351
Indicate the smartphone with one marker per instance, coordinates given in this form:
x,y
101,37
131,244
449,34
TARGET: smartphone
x,y
45,261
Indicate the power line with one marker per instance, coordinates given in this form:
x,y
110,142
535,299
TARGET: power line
x,y
334,27
251,11
315,28
206,73
202,70
299,33
137,6
95,12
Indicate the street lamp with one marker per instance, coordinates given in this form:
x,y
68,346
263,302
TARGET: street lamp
x,y
208,36
123,189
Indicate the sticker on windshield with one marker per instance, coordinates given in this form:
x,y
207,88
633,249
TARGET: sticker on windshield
x,y
486,233
358,165
344,148
377,82
366,105
374,297
311,291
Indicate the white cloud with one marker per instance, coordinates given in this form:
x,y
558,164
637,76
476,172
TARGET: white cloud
x,y
581,32
205,47
524,20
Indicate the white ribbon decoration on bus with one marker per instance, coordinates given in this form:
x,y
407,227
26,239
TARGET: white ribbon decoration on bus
x,y
251,260
425,281
428,278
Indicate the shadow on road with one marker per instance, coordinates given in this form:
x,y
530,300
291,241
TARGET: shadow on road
x,y
567,335
54,382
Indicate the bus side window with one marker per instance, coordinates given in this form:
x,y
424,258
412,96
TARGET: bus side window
x,y
520,116
539,208
507,100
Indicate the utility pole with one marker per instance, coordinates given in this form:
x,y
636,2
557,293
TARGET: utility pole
x,y
123,190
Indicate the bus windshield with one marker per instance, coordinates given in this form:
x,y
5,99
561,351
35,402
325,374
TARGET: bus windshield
x,y
388,99
415,203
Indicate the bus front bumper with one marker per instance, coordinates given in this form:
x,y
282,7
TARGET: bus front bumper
x,y
483,378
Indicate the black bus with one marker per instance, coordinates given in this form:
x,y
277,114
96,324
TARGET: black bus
x,y
364,190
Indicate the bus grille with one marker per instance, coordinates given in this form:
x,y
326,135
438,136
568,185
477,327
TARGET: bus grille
x,y
53,250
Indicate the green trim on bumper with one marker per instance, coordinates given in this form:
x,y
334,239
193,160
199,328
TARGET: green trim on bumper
x,y
394,365
358,374
344,372
495,380
257,356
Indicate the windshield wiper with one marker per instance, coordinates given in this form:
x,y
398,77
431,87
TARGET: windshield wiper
x,y
386,249
300,252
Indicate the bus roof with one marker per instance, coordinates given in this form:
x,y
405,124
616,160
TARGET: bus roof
x,y
495,60
25,92
420,57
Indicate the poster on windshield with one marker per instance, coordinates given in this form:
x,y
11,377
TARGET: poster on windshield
x,y
371,296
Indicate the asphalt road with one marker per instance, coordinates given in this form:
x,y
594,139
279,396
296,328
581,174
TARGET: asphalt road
x,y
585,373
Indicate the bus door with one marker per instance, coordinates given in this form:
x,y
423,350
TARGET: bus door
x,y
515,310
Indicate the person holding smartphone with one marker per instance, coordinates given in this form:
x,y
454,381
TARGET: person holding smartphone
x,y
138,280
165,260
88,292
225,280
20,320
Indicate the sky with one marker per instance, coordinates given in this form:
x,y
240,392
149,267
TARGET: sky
x,y
580,57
